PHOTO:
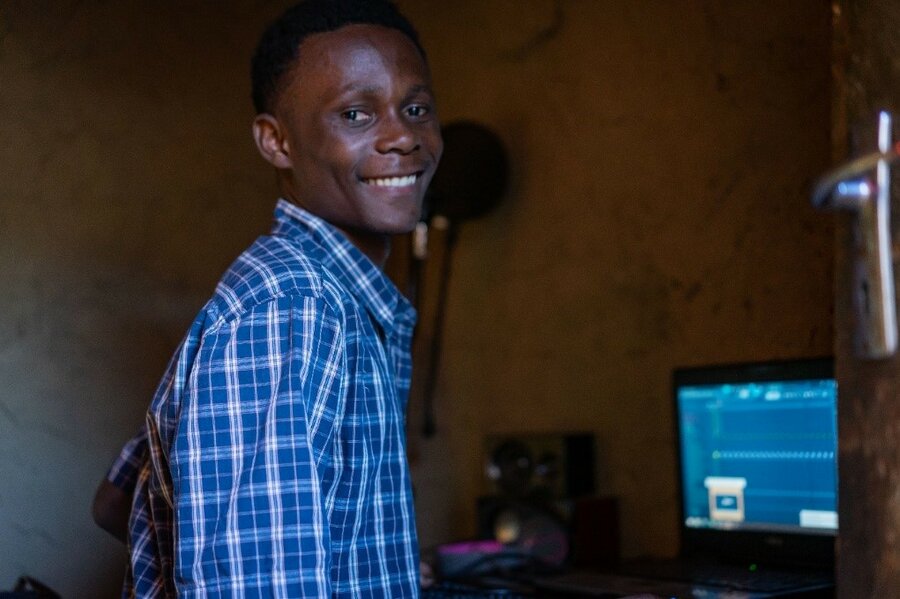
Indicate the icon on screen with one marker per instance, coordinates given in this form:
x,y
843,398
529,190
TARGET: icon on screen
x,y
726,497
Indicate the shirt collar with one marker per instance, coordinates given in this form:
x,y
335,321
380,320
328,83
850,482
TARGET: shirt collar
x,y
366,281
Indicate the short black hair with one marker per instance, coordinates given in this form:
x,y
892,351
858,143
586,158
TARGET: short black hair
x,y
280,42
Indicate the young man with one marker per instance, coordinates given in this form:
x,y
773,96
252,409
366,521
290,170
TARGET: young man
x,y
276,445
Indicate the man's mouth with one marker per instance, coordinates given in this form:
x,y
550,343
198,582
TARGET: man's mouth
x,y
403,181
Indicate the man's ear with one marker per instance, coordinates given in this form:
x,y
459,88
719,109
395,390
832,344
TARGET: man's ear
x,y
270,141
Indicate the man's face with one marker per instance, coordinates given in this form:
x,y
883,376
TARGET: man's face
x,y
359,123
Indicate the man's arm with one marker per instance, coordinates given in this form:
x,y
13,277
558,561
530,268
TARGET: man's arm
x,y
112,501
261,397
111,509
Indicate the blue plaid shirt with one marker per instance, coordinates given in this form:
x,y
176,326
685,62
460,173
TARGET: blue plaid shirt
x,y
276,437
126,469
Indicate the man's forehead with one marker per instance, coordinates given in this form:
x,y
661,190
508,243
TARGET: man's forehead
x,y
355,40
362,58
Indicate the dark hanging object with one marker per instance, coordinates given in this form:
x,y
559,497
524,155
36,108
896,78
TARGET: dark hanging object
x,y
470,181
472,176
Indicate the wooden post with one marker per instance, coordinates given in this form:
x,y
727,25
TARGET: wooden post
x,y
866,79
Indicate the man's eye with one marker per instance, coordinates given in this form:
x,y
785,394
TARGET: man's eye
x,y
356,116
417,110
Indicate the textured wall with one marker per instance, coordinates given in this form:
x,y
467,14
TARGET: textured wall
x,y
657,217
128,181
662,156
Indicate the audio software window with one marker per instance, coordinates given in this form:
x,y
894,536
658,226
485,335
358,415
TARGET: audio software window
x,y
760,455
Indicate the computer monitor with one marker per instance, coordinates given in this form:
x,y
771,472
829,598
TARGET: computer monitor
x,y
758,458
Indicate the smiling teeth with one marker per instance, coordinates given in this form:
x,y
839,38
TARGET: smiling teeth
x,y
393,181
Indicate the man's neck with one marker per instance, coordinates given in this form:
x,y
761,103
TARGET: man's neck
x,y
376,246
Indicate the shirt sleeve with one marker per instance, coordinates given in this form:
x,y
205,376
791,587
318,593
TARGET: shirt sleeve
x,y
127,466
250,454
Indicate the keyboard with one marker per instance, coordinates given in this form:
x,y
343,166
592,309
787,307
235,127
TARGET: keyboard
x,y
761,579
768,581
462,590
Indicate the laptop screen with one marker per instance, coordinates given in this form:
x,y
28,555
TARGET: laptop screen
x,y
758,447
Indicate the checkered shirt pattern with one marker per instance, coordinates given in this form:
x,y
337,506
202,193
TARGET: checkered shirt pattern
x,y
127,466
276,437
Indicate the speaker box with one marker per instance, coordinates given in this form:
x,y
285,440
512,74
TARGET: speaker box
x,y
530,527
547,466
531,482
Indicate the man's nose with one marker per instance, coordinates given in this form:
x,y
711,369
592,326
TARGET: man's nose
x,y
396,135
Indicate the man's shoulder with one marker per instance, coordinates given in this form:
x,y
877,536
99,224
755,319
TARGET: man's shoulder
x,y
273,267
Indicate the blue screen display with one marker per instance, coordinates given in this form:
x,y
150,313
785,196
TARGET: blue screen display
x,y
760,455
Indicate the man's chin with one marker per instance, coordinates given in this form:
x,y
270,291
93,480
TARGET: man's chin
x,y
400,226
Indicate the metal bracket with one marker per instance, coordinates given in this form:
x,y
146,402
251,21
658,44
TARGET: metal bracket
x,y
851,187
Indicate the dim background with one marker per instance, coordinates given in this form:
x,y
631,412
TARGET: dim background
x,y
657,216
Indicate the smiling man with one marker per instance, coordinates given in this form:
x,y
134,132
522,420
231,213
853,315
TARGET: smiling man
x,y
277,462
